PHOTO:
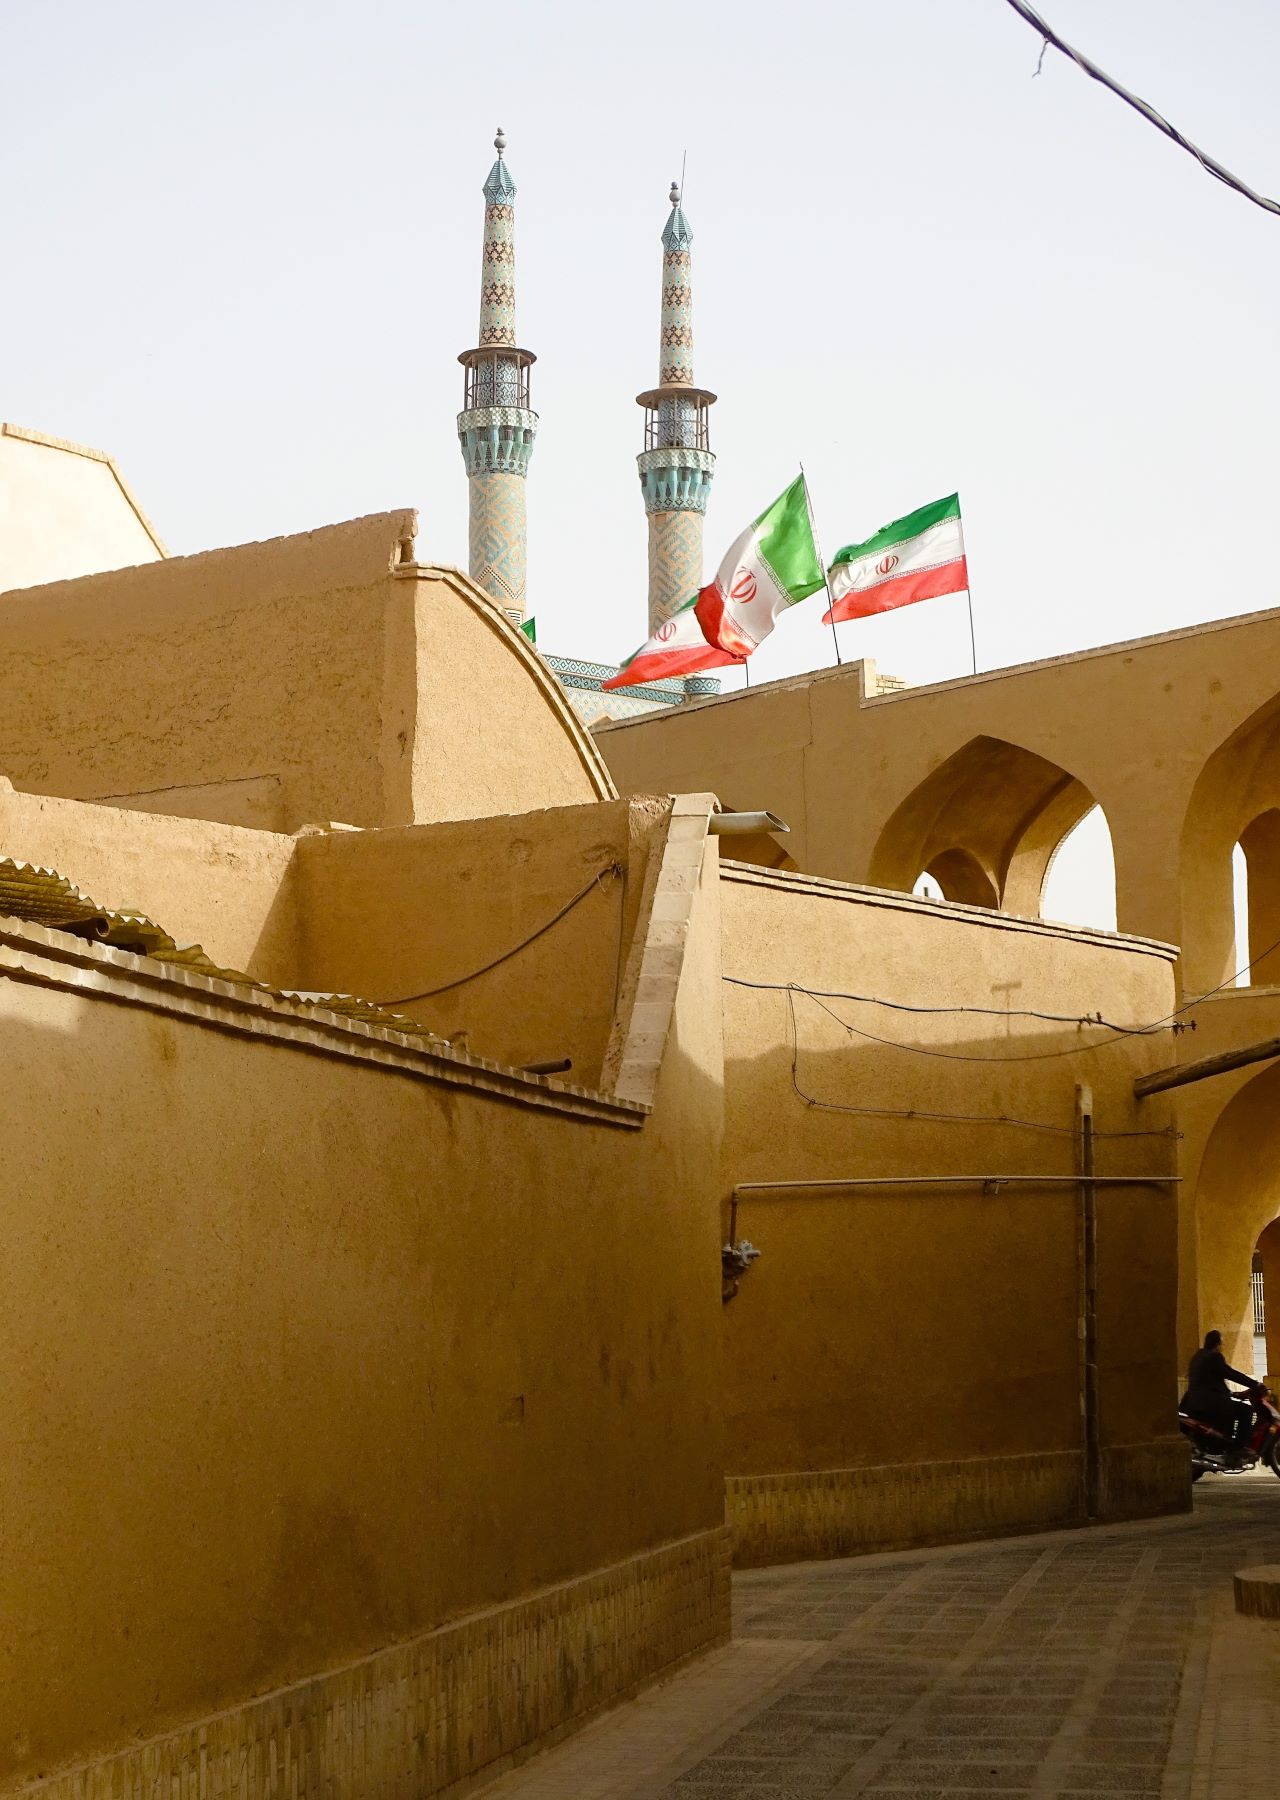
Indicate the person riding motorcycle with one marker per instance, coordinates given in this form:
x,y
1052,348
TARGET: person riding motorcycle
x,y
1209,1398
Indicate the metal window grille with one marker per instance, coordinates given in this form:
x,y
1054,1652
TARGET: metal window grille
x,y
1259,1304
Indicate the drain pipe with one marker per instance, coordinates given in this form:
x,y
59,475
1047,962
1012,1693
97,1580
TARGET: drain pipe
x,y
1087,1240
740,824
990,1184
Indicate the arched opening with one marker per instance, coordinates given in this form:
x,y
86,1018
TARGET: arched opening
x,y
957,875
1080,882
1231,861
985,827
1255,870
1238,1218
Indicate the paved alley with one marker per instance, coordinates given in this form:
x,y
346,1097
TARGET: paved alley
x,y
1084,1663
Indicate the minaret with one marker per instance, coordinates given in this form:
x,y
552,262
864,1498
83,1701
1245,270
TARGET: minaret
x,y
496,428
676,464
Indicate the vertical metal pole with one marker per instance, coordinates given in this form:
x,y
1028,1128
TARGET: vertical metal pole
x,y
973,642
1088,1242
826,579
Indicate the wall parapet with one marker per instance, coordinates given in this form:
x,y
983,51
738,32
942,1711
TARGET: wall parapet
x,y
30,953
824,887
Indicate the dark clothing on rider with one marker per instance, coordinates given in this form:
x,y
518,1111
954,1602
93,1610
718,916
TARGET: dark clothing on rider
x,y
1208,1397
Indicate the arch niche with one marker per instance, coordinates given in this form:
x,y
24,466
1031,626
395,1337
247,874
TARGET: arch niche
x,y
984,826
1235,801
1237,1200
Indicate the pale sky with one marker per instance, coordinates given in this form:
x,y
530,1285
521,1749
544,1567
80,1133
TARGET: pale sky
x,y
242,249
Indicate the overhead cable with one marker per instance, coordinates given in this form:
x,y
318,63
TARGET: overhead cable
x,y
596,881
908,1006
1119,1032
1209,163
929,1116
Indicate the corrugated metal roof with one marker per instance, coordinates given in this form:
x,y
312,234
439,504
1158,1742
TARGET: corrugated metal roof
x,y
43,897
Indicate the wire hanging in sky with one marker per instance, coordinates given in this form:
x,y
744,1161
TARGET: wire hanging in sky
x,y
1149,113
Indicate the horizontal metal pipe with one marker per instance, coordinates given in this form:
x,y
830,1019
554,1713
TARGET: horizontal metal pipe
x,y
881,1181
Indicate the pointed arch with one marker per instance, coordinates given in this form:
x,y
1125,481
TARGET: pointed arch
x,y
987,821
1236,800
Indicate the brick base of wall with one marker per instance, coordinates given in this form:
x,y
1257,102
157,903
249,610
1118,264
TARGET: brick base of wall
x,y
443,1712
1138,1481
850,1512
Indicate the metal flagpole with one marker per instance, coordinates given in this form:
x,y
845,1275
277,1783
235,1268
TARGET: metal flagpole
x,y
973,645
826,579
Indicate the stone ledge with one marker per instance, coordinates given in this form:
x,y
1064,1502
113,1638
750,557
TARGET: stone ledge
x,y
793,881
54,959
445,1711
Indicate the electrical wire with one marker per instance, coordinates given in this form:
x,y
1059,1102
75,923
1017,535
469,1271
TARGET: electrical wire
x,y
907,1006
596,881
1121,1032
1210,164
930,1116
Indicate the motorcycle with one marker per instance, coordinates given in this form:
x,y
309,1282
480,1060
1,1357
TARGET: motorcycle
x,y
1211,1451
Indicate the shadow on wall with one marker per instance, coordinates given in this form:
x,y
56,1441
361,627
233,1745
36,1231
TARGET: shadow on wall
x,y
1237,1198
987,827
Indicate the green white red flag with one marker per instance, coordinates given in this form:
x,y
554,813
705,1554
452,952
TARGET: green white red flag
x,y
677,647
772,565
920,557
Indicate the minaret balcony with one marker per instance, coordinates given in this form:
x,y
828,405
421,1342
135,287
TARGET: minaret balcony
x,y
496,376
497,440
676,416
676,480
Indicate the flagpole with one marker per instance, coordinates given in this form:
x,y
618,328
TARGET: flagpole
x,y
973,642
826,579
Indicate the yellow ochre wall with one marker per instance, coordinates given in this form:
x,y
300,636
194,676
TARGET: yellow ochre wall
x,y
65,511
224,887
903,1362
471,908
286,683
1177,737
305,1362
836,759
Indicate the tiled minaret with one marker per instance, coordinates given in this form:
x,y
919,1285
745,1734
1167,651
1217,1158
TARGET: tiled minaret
x,y
676,464
496,428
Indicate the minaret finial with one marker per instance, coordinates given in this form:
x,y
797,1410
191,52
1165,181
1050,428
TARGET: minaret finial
x,y
675,194
500,141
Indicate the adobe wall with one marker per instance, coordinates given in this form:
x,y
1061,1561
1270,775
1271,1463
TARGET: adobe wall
x,y
511,934
64,511
495,731
226,888
1176,737
1134,723
325,676
359,1407
903,1362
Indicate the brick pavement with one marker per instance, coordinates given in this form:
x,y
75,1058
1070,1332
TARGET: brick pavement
x,y
1090,1664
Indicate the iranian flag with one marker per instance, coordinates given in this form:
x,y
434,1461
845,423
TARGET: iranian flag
x,y
677,647
920,557
771,566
